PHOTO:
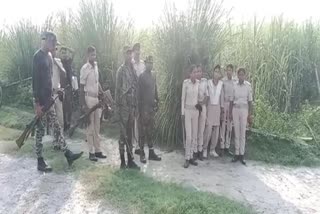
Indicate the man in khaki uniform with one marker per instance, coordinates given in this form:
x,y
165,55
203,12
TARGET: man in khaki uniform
x,y
190,114
139,67
89,91
241,112
226,127
58,82
202,99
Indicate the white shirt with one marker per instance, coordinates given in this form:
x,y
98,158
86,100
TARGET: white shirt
x,y
89,77
228,86
242,94
139,67
56,73
189,96
203,89
215,92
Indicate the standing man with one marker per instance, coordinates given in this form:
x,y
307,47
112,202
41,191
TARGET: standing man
x,y
89,92
67,103
226,127
214,113
139,67
42,93
148,105
126,103
241,112
202,99
58,82
190,114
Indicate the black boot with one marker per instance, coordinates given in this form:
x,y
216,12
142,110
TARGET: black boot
x,y
71,157
100,155
228,152
200,155
92,157
186,164
137,151
193,162
242,160
153,156
195,155
123,161
142,157
43,166
235,158
131,163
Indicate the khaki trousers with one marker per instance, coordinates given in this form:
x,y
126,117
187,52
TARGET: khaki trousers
x,y
58,107
93,129
226,128
240,116
191,126
201,127
211,132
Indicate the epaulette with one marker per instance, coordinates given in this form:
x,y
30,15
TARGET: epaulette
x,y
186,80
247,83
203,79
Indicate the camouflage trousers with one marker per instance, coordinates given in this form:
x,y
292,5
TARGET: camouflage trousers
x,y
146,129
126,122
58,135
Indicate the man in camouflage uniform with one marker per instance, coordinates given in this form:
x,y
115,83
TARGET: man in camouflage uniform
x,y
43,96
126,101
148,105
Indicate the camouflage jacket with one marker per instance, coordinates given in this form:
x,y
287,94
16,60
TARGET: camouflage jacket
x,y
126,87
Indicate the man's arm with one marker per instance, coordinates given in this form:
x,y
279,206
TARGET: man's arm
x,y
183,98
83,81
118,87
36,86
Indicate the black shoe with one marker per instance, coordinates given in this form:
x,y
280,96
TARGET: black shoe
x,y
71,156
142,157
228,152
200,155
193,162
92,157
100,155
153,156
186,164
133,165
137,151
195,155
242,160
123,164
235,158
43,166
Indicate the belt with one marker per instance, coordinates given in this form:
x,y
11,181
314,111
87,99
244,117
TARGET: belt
x,y
89,94
240,105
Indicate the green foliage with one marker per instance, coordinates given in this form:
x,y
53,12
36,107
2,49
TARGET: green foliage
x,y
133,192
191,37
14,118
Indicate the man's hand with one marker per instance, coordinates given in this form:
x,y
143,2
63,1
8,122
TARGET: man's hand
x,y
60,94
38,110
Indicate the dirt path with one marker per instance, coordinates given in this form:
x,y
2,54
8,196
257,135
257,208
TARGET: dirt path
x,y
268,189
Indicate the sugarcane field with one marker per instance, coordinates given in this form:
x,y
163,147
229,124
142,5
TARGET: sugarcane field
x,y
159,107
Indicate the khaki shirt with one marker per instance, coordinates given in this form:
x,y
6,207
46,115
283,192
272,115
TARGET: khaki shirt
x,y
242,94
139,67
190,92
89,77
203,89
228,86
56,79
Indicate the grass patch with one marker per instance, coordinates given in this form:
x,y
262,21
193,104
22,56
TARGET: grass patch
x,y
132,192
284,152
14,117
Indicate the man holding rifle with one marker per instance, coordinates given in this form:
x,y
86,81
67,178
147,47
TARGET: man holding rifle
x,y
43,96
89,97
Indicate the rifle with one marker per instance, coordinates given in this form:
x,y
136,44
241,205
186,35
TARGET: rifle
x,y
29,127
106,100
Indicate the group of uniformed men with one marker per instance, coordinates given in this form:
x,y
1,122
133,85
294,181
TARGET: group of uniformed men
x,y
210,108
207,105
136,99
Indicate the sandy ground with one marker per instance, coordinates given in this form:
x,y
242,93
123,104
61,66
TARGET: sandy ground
x,y
268,189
